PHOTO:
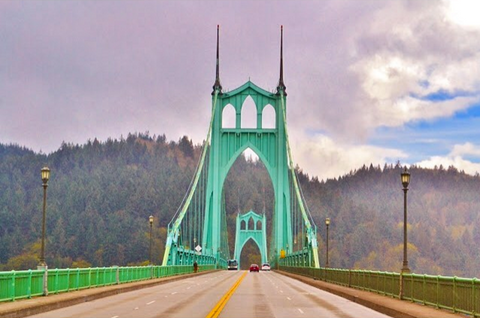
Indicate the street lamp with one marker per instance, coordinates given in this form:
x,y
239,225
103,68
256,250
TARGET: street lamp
x,y
150,219
327,223
405,177
45,177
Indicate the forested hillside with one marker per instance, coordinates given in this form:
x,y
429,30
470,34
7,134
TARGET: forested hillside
x,y
101,194
366,208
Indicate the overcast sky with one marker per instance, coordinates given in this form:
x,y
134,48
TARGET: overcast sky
x,y
367,81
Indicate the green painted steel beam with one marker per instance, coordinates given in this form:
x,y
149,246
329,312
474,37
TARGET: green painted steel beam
x,y
224,146
172,235
244,233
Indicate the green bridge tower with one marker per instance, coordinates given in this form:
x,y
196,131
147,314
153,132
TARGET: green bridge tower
x,y
271,146
251,226
198,230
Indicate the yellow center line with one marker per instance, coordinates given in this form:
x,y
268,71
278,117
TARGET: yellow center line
x,y
223,301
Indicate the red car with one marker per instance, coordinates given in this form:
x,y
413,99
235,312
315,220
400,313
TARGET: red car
x,y
254,268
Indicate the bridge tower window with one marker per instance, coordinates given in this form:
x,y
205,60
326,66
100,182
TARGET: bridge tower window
x,y
251,224
249,113
229,117
268,117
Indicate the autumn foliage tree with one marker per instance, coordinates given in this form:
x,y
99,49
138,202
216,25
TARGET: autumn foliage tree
x,y
101,194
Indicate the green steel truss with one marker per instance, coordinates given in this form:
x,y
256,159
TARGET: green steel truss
x,y
221,149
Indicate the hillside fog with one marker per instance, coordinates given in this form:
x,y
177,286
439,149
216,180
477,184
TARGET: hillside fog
x,y
101,193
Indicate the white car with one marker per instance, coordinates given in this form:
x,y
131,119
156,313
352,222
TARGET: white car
x,y
265,267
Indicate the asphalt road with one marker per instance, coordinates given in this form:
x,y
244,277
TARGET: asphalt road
x,y
268,294
264,294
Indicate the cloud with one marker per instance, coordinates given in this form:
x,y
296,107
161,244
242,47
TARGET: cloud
x,y
466,149
324,157
464,12
408,108
382,68
403,61
456,158
71,71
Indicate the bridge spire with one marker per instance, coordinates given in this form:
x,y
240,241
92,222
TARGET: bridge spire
x,y
217,85
281,85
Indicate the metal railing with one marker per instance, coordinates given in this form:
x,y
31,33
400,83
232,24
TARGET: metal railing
x,y
29,283
460,295
454,293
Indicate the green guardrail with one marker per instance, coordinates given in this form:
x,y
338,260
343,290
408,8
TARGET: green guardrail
x,y
29,283
460,295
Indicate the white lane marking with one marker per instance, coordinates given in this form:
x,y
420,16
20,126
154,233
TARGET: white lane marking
x,y
136,308
166,296
151,302
301,311
281,291
174,293
289,298
189,287
115,317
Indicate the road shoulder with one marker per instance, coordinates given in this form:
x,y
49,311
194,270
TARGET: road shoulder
x,y
41,304
383,304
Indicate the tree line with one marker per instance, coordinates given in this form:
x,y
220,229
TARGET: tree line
x,y
100,195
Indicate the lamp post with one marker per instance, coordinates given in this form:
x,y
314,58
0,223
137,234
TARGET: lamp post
x,y
43,264
405,177
150,219
327,223
45,177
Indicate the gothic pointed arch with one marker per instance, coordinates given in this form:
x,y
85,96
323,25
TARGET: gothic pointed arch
x,y
268,117
249,113
257,235
271,146
228,117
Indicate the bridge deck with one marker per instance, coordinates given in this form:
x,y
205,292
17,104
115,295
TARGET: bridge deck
x,y
383,304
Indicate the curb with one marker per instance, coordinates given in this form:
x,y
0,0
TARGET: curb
x,y
41,304
386,305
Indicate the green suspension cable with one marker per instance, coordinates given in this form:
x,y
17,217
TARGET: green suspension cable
x,y
308,225
181,215
292,169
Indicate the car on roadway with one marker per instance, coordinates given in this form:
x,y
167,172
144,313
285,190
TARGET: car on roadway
x,y
254,268
265,267
232,264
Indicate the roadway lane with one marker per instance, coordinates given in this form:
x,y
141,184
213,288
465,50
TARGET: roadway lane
x,y
264,294
191,297
269,294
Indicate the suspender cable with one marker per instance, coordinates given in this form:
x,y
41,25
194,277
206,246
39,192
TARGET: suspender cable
x,y
173,231
292,168
308,225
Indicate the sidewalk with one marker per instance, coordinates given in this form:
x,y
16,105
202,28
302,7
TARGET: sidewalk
x,y
384,304
40,304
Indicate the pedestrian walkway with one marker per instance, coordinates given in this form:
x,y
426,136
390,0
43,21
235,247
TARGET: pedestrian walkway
x,y
386,305
41,304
